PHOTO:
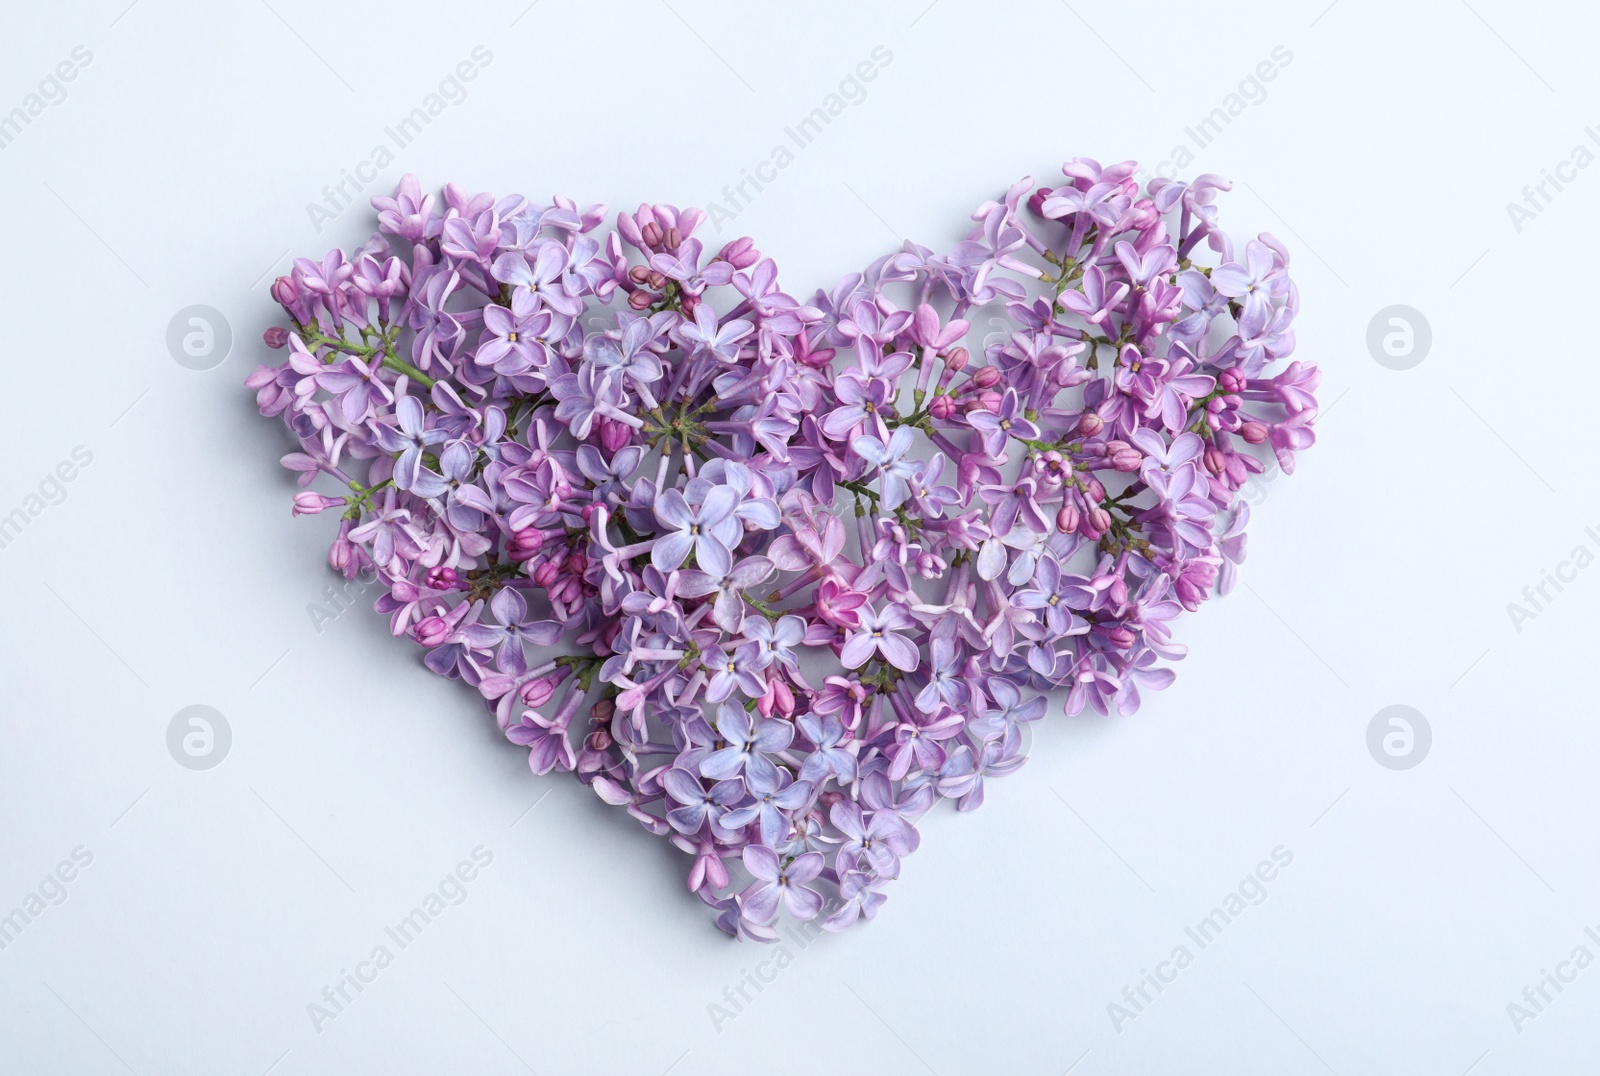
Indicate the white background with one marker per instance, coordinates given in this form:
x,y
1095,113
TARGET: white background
x,y
219,903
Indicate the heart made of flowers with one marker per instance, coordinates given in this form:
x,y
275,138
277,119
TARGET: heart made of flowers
x,y
797,570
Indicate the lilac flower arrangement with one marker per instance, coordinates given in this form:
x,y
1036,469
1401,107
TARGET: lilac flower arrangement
x,y
777,575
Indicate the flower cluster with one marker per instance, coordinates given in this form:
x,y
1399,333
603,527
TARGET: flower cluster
x,y
776,575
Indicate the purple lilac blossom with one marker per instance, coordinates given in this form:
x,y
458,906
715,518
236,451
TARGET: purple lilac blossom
x,y
776,574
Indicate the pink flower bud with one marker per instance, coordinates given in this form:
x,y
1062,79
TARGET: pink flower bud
x,y
957,358
1096,522
284,291
1121,638
1094,490
651,233
986,377
275,337
1232,380
602,712
341,553
525,544
674,238
1216,462
1254,432
1123,456
614,434
639,274
1090,424
441,578
1067,519
941,407
307,503
431,631
741,253
818,358
639,300
538,692
987,401
547,573
1036,200
576,563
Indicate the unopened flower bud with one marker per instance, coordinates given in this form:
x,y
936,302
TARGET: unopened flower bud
x,y
639,274
614,434
1216,462
1254,432
986,377
674,238
651,234
1121,638
431,631
987,401
538,692
275,337
525,543
547,573
1123,456
1096,522
1090,424
1036,200
639,300
602,712
956,359
741,253
284,291
941,407
441,578
341,553
1232,380
1067,519
307,503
